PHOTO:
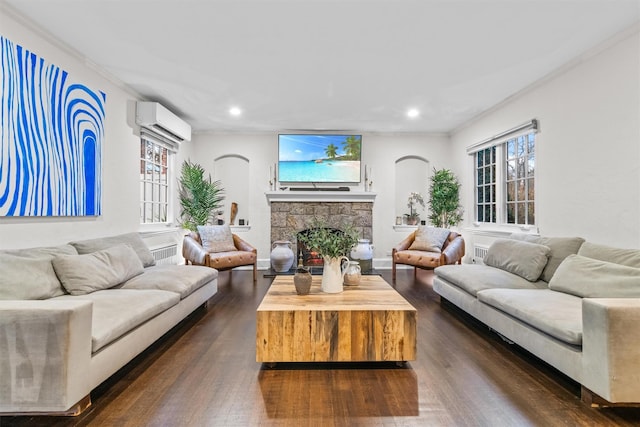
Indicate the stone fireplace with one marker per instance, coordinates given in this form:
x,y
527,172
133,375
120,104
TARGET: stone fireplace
x,y
290,218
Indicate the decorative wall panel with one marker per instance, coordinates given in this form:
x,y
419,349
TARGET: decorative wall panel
x,y
51,142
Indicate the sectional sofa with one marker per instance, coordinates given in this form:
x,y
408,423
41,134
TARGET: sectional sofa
x,y
573,304
72,315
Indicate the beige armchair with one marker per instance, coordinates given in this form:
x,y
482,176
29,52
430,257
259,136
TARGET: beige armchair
x,y
451,253
195,254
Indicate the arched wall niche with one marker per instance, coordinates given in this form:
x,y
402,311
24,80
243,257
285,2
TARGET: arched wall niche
x,y
411,175
233,170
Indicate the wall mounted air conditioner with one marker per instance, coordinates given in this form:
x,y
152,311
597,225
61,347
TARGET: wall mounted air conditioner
x,y
157,118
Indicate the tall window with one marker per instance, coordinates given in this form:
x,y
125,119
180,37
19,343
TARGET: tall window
x,y
154,182
505,178
520,166
486,185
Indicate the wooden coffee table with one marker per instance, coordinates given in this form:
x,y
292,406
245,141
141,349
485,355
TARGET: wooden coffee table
x,y
367,322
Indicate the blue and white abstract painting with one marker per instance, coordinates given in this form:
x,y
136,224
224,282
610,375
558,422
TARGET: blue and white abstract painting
x,y
51,142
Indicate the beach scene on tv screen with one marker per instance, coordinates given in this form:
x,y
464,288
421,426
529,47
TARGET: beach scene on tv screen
x,y
319,158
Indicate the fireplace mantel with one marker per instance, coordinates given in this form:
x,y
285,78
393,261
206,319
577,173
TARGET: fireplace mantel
x,y
320,196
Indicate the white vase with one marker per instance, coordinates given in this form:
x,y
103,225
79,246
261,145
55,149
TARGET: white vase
x,y
353,274
281,256
363,253
333,274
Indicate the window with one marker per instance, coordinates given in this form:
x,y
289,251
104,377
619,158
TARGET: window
x,y
486,185
505,177
155,171
520,168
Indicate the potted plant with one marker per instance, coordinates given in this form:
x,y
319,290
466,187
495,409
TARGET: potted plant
x,y
333,245
444,195
413,217
199,196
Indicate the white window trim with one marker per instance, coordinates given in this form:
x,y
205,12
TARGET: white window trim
x,y
502,137
172,149
501,226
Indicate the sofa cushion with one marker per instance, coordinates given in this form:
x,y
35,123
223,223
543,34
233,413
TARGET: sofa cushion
x,y
430,239
216,238
83,274
47,252
132,239
474,278
27,274
226,260
554,313
628,257
525,259
182,279
117,311
27,278
591,278
560,248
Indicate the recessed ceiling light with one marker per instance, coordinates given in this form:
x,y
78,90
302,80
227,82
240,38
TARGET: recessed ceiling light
x,y
412,113
235,111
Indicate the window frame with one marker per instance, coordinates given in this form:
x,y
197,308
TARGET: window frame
x,y
521,159
485,166
501,195
159,187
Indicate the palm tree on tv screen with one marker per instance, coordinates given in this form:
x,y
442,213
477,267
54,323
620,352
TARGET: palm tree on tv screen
x,y
352,146
331,151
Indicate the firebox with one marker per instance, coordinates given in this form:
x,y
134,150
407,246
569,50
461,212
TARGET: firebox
x,y
310,258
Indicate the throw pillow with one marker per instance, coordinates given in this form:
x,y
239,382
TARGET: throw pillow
x,y
216,238
27,274
83,274
430,239
27,278
531,238
560,248
132,239
628,257
591,278
524,259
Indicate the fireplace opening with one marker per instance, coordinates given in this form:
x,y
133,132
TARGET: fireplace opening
x,y
311,258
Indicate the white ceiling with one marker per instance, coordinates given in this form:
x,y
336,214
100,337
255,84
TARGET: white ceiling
x,y
329,64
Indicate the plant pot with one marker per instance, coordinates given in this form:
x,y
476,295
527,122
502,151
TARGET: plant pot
x,y
413,220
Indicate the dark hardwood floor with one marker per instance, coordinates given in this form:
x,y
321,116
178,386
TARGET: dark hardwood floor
x,y
205,374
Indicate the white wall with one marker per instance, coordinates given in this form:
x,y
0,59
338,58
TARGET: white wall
x,y
588,155
380,152
588,148
120,155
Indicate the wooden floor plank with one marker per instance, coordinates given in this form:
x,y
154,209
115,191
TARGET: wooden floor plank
x,y
205,374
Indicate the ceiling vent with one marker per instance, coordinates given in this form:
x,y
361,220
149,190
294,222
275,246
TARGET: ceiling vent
x,y
157,118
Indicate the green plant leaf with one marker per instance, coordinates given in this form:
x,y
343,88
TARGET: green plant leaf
x,y
199,196
327,242
444,203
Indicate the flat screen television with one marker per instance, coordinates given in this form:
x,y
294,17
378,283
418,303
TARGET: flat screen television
x,y
319,158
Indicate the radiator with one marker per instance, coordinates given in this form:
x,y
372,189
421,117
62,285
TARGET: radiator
x,y
165,254
479,252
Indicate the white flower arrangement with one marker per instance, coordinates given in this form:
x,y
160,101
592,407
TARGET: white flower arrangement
x,y
414,199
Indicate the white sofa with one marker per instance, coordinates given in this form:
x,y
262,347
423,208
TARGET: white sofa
x,y
74,314
573,304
